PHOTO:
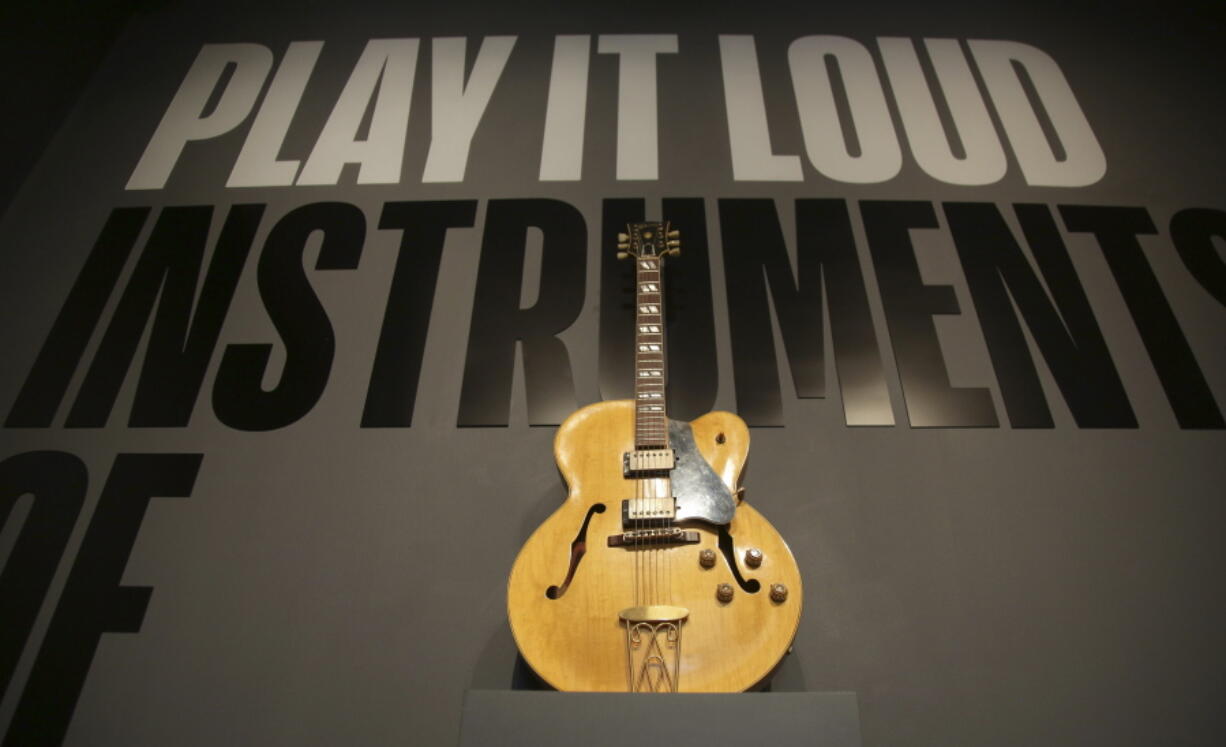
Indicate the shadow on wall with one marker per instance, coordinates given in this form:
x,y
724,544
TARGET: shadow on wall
x,y
49,51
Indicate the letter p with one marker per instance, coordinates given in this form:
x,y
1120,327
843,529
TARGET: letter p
x,y
186,119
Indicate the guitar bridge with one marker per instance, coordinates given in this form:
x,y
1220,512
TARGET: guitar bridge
x,y
654,538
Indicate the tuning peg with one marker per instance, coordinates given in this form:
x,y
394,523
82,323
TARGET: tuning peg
x,y
623,246
674,243
623,237
674,234
674,252
623,255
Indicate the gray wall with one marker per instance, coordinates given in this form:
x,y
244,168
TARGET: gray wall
x,y
328,583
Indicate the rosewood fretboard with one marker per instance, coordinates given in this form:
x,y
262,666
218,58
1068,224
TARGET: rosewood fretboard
x,y
650,423
650,420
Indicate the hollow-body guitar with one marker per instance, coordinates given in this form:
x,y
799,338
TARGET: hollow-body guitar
x,y
654,575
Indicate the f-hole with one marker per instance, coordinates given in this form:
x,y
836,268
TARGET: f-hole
x,y
725,546
577,549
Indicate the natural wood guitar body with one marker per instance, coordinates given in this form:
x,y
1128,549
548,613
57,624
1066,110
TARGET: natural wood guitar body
x,y
577,641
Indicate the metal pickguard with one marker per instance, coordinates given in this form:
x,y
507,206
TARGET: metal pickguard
x,y
699,491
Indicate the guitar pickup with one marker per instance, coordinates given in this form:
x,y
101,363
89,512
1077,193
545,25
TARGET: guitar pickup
x,y
648,462
648,512
654,537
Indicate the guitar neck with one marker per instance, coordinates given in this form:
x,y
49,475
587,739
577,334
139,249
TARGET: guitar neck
x,y
650,421
648,244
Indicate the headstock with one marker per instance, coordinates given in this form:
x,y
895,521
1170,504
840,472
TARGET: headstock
x,y
648,240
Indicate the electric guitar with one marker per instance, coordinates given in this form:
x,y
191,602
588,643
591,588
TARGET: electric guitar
x,y
654,575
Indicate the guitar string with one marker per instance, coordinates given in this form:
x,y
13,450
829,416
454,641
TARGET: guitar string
x,y
661,546
669,503
644,426
643,484
650,430
639,425
653,499
653,504
667,482
644,564
638,545
640,599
